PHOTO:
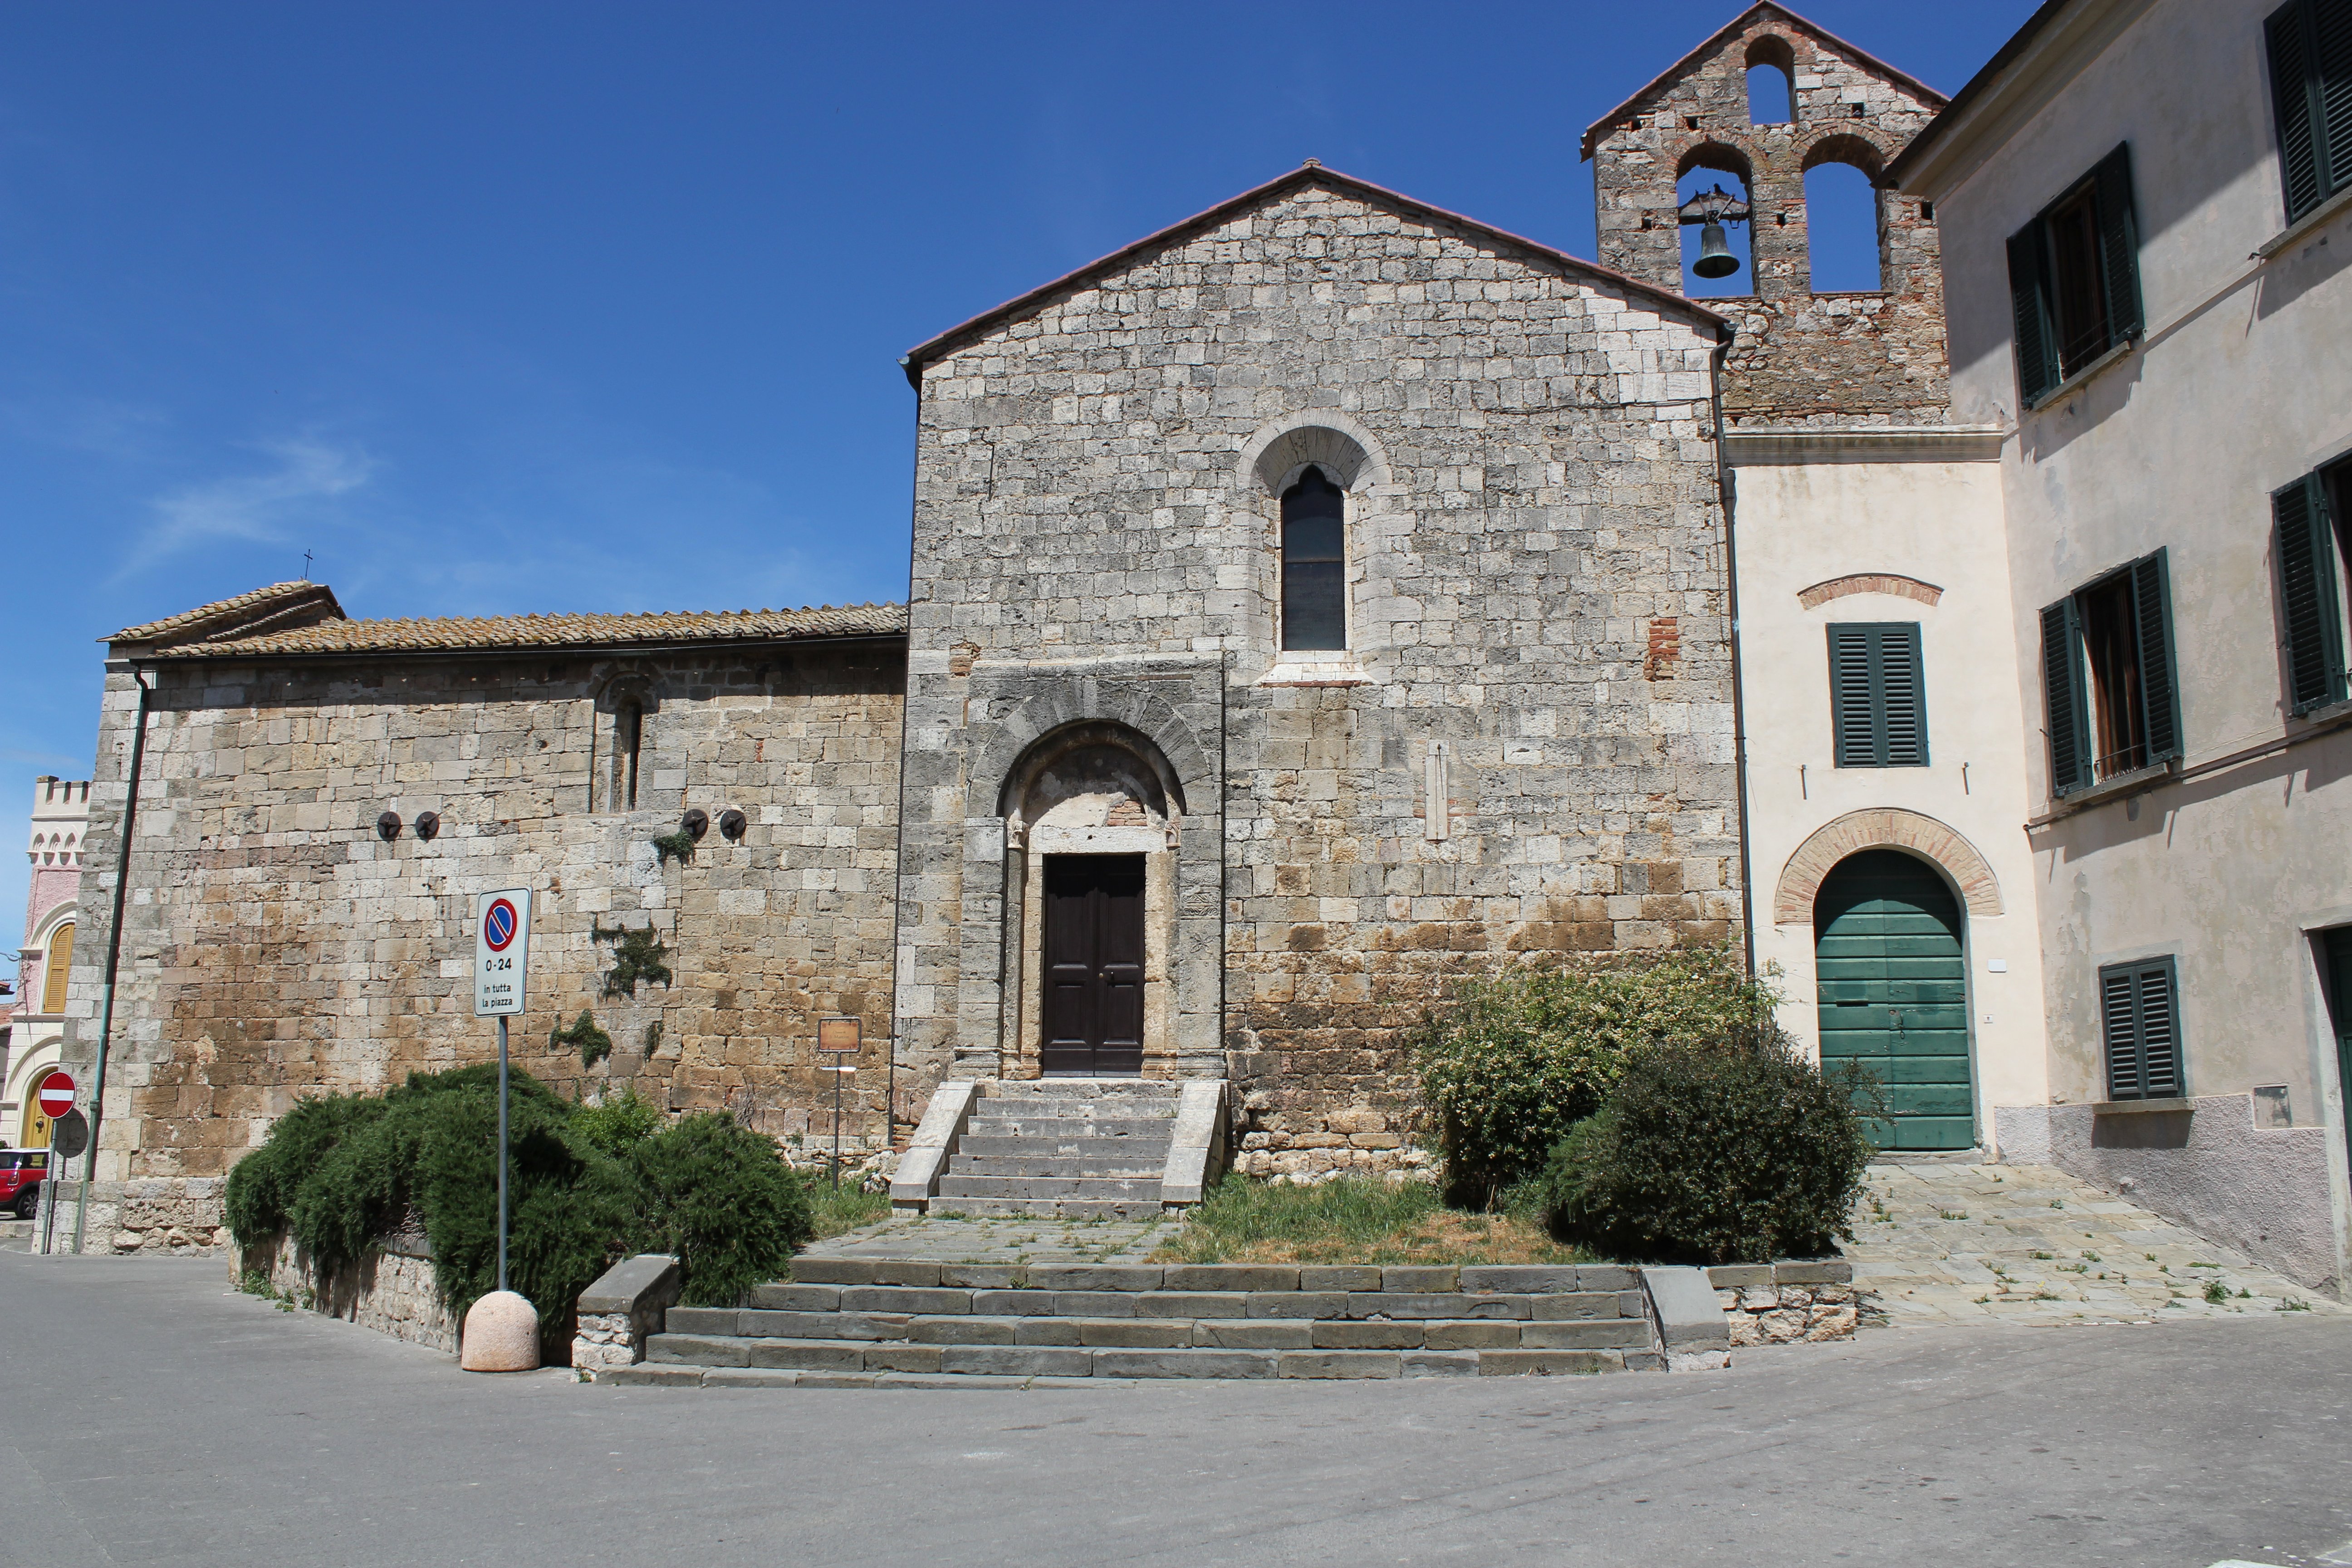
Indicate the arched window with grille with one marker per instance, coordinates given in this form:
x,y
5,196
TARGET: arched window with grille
x,y
1314,564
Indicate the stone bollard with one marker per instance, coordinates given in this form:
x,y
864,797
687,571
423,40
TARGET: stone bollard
x,y
501,1335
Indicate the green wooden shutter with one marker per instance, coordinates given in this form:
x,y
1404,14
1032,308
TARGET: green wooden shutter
x,y
2029,297
2139,1016
2293,94
1853,698
1878,705
2120,246
2160,690
2331,32
2312,622
1903,703
2062,690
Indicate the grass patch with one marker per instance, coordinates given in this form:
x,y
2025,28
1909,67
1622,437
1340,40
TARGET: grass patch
x,y
833,1210
1353,1220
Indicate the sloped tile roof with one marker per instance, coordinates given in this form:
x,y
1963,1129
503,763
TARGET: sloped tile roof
x,y
242,615
469,633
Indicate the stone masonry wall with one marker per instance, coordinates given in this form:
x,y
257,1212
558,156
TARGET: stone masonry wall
x,y
275,947
1802,358
1528,452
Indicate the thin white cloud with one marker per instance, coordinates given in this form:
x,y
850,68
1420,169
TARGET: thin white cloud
x,y
310,473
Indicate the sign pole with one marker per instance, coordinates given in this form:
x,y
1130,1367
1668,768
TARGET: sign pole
x,y
502,1151
837,1038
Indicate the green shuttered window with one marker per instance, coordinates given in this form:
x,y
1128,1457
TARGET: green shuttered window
x,y
2310,44
2112,701
2074,278
2139,1016
2303,538
1878,695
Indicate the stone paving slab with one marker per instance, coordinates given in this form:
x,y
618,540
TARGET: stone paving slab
x,y
947,1239
1939,1242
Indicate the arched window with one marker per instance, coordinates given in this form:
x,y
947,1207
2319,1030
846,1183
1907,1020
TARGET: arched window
x,y
1772,82
55,968
628,735
1842,228
1314,564
1709,169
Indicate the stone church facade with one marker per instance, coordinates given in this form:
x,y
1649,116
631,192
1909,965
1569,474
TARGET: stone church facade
x,y
1318,600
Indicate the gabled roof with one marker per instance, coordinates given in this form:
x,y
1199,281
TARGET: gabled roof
x,y
280,606
1310,173
1740,24
492,634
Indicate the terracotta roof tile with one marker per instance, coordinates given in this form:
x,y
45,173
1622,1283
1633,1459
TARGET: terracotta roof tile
x,y
244,613
468,634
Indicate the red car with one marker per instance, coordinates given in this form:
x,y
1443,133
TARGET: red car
x,y
21,1171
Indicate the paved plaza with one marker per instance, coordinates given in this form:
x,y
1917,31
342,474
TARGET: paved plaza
x,y
165,1420
1944,1241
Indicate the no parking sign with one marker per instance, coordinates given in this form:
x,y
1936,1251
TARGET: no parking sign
x,y
502,951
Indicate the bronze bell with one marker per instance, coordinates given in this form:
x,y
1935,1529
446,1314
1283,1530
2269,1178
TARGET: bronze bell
x,y
1715,258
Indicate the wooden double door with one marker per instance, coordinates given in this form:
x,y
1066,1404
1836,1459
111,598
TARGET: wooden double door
x,y
1893,994
1094,966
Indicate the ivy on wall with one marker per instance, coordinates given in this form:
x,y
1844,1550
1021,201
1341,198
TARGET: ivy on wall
x,y
594,1044
636,960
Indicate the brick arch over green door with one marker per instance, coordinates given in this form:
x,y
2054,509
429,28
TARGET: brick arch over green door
x,y
1894,993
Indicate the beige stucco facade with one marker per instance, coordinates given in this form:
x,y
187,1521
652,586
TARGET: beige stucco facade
x,y
1889,526
2230,857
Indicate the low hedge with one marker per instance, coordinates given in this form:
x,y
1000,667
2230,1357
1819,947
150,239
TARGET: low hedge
x,y
1508,1064
1737,1152
588,1185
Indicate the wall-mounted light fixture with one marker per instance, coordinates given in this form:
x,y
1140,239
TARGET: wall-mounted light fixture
x,y
696,823
732,822
427,824
387,826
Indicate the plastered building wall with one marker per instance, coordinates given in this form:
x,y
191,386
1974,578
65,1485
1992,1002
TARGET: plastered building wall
x,y
1536,582
1829,536
2234,858
276,946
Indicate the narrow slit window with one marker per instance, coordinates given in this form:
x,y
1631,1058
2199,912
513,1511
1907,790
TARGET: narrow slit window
x,y
628,735
1314,564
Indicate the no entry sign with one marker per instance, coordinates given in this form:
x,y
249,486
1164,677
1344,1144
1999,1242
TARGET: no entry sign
x,y
56,1095
502,951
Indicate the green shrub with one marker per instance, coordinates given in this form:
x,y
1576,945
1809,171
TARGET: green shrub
x,y
719,1196
587,1184
1507,1065
1732,1152
620,1124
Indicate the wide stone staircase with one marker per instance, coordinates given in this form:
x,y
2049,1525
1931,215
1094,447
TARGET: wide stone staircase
x,y
878,1322
1062,1147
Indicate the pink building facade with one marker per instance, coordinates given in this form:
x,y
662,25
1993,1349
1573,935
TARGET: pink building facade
x,y
60,818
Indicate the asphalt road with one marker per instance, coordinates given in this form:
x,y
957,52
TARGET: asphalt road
x,y
148,1414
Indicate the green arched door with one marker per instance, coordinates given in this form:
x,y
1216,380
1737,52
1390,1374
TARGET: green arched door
x,y
1894,993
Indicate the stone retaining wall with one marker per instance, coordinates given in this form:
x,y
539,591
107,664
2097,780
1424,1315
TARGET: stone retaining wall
x,y
391,1292
1774,1304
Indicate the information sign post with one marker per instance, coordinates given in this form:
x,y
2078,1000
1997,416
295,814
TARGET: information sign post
x,y
837,1038
501,966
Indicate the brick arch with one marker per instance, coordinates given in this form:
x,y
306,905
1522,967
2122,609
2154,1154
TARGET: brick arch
x,y
1883,827
1723,155
1894,582
1849,146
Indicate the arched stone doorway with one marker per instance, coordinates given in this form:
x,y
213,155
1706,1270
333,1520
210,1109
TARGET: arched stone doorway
x,y
1890,966
1092,815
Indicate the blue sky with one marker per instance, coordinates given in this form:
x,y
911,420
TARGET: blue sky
x,y
500,308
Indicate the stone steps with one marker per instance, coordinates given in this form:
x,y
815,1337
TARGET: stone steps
x,y
1049,1208
1070,1148
1113,1163
1025,1126
884,1321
